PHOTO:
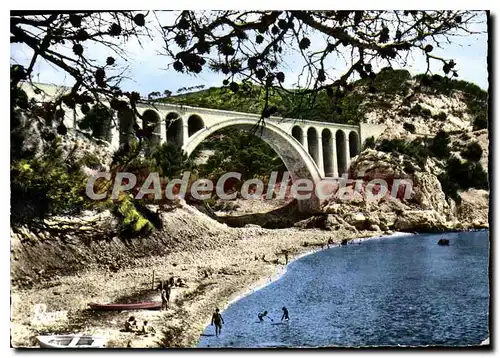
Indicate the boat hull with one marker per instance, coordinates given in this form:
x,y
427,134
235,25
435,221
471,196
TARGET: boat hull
x,y
70,341
125,306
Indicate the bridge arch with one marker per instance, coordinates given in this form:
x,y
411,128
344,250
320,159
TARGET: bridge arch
x,y
175,129
195,123
327,144
295,157
353,144
340,139
151,126
298,134
312,144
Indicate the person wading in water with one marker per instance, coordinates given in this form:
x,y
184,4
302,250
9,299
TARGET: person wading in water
x,y
285,314
262,315
218,321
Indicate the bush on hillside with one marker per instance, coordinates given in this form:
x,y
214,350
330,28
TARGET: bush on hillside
x,y
410,127
480,122
48,183
98,120
414,149
441,116
473,152
369,143
439,145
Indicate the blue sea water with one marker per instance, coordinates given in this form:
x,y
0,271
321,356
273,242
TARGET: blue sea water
x,y
393,291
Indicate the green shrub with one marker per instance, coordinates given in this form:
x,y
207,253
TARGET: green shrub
x,y
415,149
240,151
91,161
441,116
50,183
480,122
426,112
473,152
439,145
410,127
133,222
369,143
467,174
416,110
98,120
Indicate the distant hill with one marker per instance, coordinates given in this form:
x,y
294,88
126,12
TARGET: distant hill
x,y
386,94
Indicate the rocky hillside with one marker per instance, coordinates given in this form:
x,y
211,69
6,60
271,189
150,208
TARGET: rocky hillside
x,y
394,97
426,209
436,136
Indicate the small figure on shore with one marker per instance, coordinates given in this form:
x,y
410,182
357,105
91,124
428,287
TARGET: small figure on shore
x,y
330,242
218,321
262,315
286,257
285,314
165,297
146,329
131,324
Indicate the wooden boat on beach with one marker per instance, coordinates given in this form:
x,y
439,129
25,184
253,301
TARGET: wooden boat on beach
x,y
125,306
71,341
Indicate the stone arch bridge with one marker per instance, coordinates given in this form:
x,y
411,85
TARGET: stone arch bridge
x,y
309,149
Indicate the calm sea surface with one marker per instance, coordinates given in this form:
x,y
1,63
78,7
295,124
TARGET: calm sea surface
x,y
384,292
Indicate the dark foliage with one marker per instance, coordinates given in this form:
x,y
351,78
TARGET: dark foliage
x,y
473,152
410,127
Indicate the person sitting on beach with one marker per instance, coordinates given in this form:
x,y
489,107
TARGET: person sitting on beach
x,y
218,321
262,315
180,283
131,325
146,329
285,314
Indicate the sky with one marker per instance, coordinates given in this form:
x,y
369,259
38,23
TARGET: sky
x,y
148,72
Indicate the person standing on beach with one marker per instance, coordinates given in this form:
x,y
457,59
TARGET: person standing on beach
x,y
218,321
285,314
165,296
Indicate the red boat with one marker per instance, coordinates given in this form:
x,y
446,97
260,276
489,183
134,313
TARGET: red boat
x,y
125,306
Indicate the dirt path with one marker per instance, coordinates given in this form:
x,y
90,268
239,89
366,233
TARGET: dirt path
x,y
214,277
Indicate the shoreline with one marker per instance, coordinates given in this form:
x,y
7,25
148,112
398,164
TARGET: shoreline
x,y
236,271
281,271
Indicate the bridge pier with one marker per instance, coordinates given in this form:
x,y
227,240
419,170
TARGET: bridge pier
x,y
305,142
335,170
320,163
347,154
185,132
163,131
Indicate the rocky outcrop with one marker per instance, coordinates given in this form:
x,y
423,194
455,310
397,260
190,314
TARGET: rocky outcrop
x,y
418,204
473,210
429,113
